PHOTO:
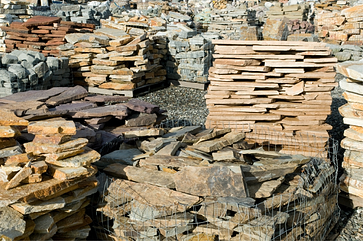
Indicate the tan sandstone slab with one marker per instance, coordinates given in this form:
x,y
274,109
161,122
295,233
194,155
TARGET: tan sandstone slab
x,y
153,177
38,149
52,128
8,118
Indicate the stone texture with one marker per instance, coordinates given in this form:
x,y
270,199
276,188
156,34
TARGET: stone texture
x,y
38,149
8,118
52,128
72,93
20,176
8,131
66,173
12,224
119,156
39,206
142,106
351,69
218,144
153,177
119,110
85,158
210,181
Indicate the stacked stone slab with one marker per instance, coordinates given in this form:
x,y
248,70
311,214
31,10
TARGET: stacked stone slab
x,y
352,112
189,57
331,5
251,86
29,70
45,190
201,188
231,23
111,60
292,12
17,9
42,34
82,13
341,27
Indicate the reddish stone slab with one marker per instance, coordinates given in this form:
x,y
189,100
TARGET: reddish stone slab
x,y
39,95
142,106
40,31
78,25
72,93
41,20
106,98
113,110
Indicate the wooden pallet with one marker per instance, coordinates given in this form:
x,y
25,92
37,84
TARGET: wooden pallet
x,y
193,85
129,93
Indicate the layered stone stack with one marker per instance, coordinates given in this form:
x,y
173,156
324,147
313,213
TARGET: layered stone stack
x,y
111,61
346,52
298,30
352,112
231,23
252,87
194,184
189,58
343,27
292,12
331,5
42,34
29,70
82,13
17,9
45,190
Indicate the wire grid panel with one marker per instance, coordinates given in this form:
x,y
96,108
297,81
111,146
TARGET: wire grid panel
x,y
306,210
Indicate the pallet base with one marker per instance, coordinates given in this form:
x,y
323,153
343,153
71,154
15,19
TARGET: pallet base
x,y
129,93
193,85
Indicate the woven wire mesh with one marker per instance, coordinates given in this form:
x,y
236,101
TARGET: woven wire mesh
x,y
306,209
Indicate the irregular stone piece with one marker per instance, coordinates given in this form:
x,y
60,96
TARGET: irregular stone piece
x,y
225,155
52,128
20,176
11,151
39,167
116,170
351,87
210,181
142,106
39,206
265,189
72,93
144,132
53,139
19,159
38,149
79,160
8,172
119,110
152,146
66,173
153,177
8,118
169,161
44,223
7,142
63,155
12,224
351,69
218,144
142,119
170,149
157,197
8,131
119,156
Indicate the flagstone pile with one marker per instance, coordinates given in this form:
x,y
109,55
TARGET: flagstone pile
x,y
23,70
187,183
41,33
111,61
269,85
45,185
341,27
352,112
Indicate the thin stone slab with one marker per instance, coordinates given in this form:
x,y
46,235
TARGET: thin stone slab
x,y
152,146
102,99
38,149
35,95
352,97
174,162
67,173
351,69
39,206
44,223
347,111
41,21
119,110
8,118
41,114
20,176
12,224
354,135
8,172
144,132
19,159
142,119
7,142
39,167
153,177
52,128
11,151
142,106
116,170
351,144
218,144
119,156
265,189
8,131
72,108
353,121
53,139
85,158
351,87
354,158
214,181
43,190
72,93
157,197
170,149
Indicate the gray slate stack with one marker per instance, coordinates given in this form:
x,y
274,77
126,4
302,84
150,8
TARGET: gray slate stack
x,y
82,13
28,70
189,57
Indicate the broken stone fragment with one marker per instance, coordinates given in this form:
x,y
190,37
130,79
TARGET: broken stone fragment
x,y
142,106
9,131
25,172
38,149
52,128
12,224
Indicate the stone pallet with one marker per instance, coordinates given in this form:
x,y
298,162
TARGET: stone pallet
x,y
284,86
23,70
343,27
352,112
42,34
40,200
244,202
110,59
292,12
189,57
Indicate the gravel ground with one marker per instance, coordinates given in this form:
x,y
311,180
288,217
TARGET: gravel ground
x,y
188,105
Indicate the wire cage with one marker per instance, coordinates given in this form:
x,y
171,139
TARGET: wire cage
x,y
305,207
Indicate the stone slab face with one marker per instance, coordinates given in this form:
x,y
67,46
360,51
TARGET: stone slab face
x,y
351,69
351,87
119,156
41,21
38,149
8,118
52,128
113,110
8,131
158,197
39,206
12,224
142,119
35,95
67,173
218,144
72,93
20,176
142,106
153,177
53,139
214,181
79,160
